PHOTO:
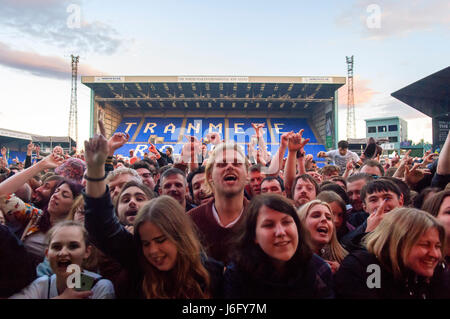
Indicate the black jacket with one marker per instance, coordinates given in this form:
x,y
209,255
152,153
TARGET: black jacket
x,y
351,281
16,268
313,282
352,241
115,241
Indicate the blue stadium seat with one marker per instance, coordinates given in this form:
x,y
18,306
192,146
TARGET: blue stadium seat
x,y
167,129
199,127
241,130
283,125
128,125
13,154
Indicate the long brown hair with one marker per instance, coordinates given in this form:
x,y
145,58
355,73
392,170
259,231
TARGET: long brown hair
x,y
188,278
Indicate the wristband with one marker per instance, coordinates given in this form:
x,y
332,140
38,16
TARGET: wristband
x,y
300,153
95,179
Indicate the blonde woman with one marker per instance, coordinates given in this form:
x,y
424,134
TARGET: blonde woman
x,y
403,260
317,218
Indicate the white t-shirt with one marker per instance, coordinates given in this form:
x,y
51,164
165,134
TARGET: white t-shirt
x,y
38,289
340,160
217,218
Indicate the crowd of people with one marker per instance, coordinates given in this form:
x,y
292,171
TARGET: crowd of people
x,y
221,224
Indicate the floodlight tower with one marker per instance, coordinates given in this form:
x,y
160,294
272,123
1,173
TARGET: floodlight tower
x,y
351,123
73,114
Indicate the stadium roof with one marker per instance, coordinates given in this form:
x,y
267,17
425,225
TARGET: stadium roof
x,y
384,118
5,133
430,95
203,92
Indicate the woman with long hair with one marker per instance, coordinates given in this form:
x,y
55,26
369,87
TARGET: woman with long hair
x,y
317,218
438,205
33,222
403,260
271,258
339,210
163,257
67,245
171,255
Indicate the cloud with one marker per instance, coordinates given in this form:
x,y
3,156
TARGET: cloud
x,y
40,65
362,93
397,18
56,23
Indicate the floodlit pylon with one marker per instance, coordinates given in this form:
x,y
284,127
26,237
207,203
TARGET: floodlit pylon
x,y
73,113
351,122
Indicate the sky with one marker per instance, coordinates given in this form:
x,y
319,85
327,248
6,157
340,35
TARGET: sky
x,y
394,43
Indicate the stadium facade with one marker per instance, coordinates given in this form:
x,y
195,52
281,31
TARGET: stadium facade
x,y
162,109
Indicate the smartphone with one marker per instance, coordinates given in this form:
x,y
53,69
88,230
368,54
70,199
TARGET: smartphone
x,y
152,139
87,282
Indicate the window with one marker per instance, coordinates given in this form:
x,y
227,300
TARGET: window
x,y
382,128
372,129
393,128
393,139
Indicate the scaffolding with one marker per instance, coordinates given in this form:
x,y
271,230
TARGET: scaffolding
x,y
73,113
351,122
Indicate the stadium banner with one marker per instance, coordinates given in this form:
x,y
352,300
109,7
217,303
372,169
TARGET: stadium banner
x,y
443,126
388,146
22,136
218,79
329,129
317,79
107,79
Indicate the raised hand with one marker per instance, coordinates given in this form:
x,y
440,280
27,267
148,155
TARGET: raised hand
x,y
213,137
297,142
96,151
3,152
52,161
284,140
30,148
376,217
349,165
257,128
152,148
117,141
406,159
321,154
414,175
428,158
191,150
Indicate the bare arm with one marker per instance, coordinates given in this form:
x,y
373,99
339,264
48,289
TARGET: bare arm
x,y
13,183
443,167
296,143
96,152
399,173
277,159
